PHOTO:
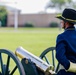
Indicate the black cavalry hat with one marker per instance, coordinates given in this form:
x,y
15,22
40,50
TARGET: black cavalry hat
x,y
68,15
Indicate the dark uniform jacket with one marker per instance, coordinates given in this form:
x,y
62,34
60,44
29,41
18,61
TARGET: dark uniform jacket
x,y
66,49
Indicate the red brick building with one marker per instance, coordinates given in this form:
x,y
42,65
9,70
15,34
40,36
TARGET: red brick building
x,y
38,20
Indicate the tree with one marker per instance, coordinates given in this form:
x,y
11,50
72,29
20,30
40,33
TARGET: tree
x,y
3,15
59,4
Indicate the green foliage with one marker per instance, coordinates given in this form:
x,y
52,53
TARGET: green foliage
x,y
3,15
53,24
60,4
28,25
3,12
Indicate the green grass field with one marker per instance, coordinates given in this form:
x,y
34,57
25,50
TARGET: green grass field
x,y
35,40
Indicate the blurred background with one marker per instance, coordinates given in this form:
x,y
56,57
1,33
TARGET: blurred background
x,y
31,23
35,13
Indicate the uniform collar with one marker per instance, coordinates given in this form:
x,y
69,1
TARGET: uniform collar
x,y
70,28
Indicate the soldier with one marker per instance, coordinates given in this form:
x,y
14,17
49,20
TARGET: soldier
x,y
66,43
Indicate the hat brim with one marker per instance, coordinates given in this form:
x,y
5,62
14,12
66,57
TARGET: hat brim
x,y
64,19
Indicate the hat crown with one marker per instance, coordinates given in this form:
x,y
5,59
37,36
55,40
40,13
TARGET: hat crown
x,y
69,14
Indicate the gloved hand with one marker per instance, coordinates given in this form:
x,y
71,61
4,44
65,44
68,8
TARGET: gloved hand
x,y
72,67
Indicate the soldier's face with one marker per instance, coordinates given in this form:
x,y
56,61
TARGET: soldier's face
x,y
63,24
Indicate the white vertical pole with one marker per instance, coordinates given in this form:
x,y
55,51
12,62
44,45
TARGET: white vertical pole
x,y
16,19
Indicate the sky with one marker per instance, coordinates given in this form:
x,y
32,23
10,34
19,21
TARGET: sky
x,y
27,6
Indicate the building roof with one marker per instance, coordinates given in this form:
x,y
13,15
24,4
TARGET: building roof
x,y
10,9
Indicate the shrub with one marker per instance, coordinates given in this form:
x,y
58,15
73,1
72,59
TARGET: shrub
x,y
53,24
28,25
